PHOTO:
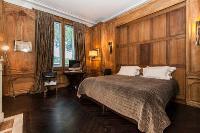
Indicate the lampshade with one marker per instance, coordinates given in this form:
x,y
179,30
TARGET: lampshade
x,y
93,53
5,48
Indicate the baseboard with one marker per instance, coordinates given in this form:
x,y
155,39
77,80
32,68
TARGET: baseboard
x,y
181,101
193,104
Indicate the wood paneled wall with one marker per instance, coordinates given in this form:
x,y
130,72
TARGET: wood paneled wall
x,y
148,8
155,40
136,34
19,24
94,66
176,35
108,28
193,54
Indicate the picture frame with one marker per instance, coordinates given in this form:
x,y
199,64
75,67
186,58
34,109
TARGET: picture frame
x,y
22,46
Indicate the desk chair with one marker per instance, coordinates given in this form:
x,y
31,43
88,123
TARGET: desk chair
x,y
49,80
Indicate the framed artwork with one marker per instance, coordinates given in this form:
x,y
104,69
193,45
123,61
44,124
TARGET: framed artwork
x,y
23,46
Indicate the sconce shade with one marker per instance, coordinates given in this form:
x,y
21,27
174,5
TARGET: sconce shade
x,y
93,53
5,48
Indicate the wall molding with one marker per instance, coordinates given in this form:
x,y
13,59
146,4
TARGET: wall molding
x,y
38,4
58,12
142,2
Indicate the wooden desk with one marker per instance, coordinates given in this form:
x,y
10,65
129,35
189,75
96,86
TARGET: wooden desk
x,y
75,77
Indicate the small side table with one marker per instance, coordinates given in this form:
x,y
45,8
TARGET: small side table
x,y
75,77
107,71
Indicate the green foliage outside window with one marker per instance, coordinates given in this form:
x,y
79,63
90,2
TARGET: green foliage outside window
x,y
69,44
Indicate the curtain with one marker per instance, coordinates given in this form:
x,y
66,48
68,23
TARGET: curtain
x,y
79,39
44,45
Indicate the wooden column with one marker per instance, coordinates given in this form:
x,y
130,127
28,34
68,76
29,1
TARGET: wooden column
x,y
1,113
1,21
193,54
1,60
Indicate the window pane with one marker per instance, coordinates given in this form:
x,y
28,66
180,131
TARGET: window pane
x,y
69,44
57,60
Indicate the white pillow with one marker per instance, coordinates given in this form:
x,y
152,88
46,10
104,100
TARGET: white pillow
x,y
129,70
161,72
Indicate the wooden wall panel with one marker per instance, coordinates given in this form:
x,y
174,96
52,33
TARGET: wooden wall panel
x,y
134,52
158,43
124,56
151,8
148,8
177,52
193,54
144,30
133,34
123,36
195,59
179,75
159,53
87,48
193,51
109,33
193,92
177,20
145,54
159,22
19,24
94,67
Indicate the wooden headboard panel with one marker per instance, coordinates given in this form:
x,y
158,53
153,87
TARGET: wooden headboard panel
x,y
155,40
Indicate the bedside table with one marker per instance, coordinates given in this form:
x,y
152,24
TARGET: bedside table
x,y
107,71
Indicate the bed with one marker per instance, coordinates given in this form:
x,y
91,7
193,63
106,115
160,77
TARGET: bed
x,y
141,99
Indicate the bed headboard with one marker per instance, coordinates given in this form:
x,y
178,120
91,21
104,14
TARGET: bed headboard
x,y
155,40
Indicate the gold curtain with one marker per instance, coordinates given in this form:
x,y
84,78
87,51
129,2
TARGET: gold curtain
x,y
79,38
44,46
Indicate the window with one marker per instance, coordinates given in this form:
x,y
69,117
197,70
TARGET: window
x,y
69,44
65,48
57,59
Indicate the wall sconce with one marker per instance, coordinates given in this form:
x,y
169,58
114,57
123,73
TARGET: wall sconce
x,y
93,54
110,47
5,48
198,33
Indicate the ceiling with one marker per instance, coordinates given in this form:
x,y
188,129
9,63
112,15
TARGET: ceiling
x,y
89,12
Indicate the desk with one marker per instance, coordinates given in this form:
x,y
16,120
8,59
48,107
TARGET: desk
x,y
75,77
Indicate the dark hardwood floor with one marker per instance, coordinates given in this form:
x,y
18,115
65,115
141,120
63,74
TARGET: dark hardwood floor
x,y
68,114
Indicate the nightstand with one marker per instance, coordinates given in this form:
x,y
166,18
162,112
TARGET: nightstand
x,y
107,71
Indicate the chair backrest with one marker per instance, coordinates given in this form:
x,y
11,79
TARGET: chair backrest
x,y
49,74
